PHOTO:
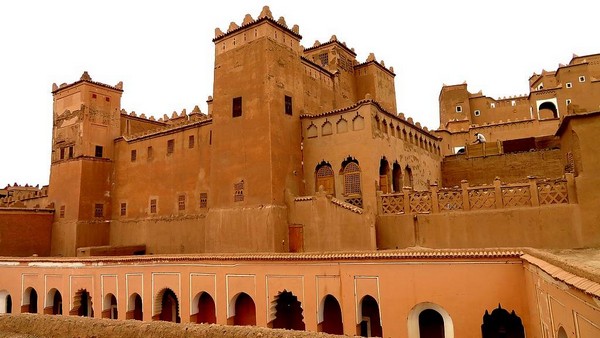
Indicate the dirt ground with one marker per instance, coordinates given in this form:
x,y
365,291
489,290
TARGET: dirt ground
x,y
47,326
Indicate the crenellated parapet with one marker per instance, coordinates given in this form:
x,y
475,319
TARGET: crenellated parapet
x,y
15,195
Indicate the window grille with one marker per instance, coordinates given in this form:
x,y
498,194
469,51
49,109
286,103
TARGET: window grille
x,y
352,178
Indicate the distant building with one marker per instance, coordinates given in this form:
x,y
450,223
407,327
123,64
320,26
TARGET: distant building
x,y
302,200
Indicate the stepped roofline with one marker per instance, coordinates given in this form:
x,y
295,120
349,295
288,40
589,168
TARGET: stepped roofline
x,y
85,77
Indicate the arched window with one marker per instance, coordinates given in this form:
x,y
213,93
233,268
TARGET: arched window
x,y
396,177
203,306
166,306
5,302
408,177
288,312
384,172
561,333
330,316
30,298
324,177
370,326
547,110
109,308
501,323
134,309
53,304
244,310
351,179
82,304
429,320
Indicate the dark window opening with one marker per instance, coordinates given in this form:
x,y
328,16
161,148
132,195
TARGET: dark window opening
x,y
150,153
123,209
93,96
153,206
237,107
107,99
71,151
62,153
288,105
181,202
99,210
170,146
210,137
191,141
133,155
98,151
203,200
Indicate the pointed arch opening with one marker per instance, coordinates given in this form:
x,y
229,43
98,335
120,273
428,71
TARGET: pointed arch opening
x,y
501,323
5,302
242,310
429,320
561,333
135,307
352,182
396,177
30,300
547,110
330,314
109,307
324,177
370,325
166,306
384,175
408,177
288,312
82,304
203,309
53,304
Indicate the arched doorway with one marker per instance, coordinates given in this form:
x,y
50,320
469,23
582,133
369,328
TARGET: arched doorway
x,y
331,315
53,304
5,302
431,324
502,324
110,307
167,306
370,326
134,309
384,172
561,333
82,304
324,177
397,177
288,312
30,299
204,306
408,177
429,320
547,110
244,310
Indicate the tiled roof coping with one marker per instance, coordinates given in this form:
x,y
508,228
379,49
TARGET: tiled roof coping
x,y
413,253
329,43
88,81
167,130
376,63
347,205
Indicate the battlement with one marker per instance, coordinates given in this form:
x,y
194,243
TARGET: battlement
x,y
264,16
11,195
85,78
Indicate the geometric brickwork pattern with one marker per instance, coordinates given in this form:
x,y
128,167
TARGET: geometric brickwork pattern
x,y
516,196
553,192
356,201
420,202
449,200
392,204
482,198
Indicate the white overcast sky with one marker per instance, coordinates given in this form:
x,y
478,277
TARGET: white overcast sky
x,y
162,51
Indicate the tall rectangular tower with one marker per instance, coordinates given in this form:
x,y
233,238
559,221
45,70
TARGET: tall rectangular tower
x,y
256,134
85,124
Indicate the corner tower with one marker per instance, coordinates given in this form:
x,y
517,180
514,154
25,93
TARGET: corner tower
x,y
256,133
85,124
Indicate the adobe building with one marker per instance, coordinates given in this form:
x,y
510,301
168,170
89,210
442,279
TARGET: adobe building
x,y
302,200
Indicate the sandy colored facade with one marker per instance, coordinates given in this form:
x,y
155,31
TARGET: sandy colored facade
x,y
303,171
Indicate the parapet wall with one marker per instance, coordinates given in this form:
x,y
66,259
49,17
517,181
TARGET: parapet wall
x,y
32,325
25,232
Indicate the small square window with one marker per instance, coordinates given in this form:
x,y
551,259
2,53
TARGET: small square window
x,y
288,105
133,155
153,206
459,109
191,141
123,209
94,96
98,151
99,210
107,99
203,200
477,113
237,107
181,202
170,146
150,153
568,102
569,85
582,78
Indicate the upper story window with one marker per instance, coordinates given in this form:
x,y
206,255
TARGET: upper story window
x,y
98,151
324,59
288,105
541,86
71,151
99,210
170,146
123,209
191,141
153,206
458,109
582,78
62,211
477,112
150,153
513,103
569,85
133,155
492,105
236,110
181,202
203,200
351,178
